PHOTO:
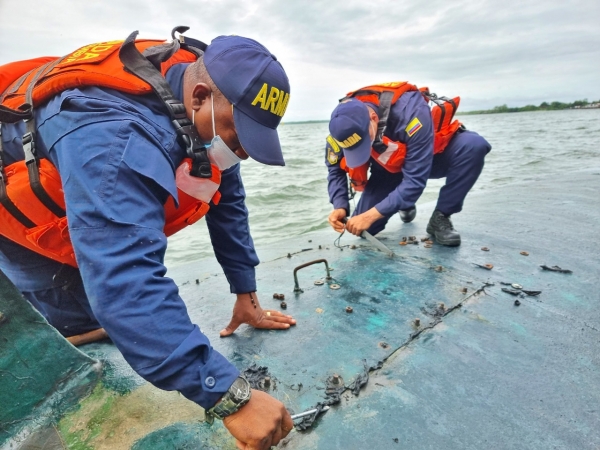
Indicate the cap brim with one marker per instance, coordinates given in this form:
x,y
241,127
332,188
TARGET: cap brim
x,y
260,142
359,155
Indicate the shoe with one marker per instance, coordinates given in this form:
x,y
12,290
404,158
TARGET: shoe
x,y
408,215
441,228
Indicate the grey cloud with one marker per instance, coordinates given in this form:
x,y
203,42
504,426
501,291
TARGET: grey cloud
x,y
490,52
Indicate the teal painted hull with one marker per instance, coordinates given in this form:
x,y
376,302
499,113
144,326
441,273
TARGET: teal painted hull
x,y
480,372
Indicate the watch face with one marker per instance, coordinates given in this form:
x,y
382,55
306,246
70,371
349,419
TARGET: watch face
x,y
240,389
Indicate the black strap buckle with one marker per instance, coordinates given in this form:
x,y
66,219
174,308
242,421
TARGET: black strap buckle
x,y
29,147
195,149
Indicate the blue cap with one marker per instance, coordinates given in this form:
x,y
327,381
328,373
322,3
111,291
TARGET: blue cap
x,y
254,82
349,126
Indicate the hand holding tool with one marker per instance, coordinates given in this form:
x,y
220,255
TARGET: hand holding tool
x,y
373,241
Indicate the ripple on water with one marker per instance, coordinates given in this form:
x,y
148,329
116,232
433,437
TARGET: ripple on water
x,y
502,180
534,162
292,200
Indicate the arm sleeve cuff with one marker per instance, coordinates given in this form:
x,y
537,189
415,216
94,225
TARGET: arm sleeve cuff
x,y
242,281
195,369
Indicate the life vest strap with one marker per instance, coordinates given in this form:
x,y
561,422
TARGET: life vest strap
x,y
5,200
453,104
440,102
31,161
17,84
8,115
160,53
25,111
139,65
442,113
362,93
11,207
385,104
31,158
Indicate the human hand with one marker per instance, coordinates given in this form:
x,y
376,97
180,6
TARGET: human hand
x,y
247,310
357,224
336,219
259,424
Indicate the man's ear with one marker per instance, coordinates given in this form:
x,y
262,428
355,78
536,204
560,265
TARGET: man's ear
x,y
200,94
373,115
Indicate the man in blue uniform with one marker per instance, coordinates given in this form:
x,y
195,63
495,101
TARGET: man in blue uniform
x,y
354,126
116,154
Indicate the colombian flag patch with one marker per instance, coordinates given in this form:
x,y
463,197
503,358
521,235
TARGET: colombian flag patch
x,y
413,127
333,150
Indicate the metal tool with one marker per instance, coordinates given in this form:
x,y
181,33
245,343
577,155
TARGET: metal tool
x,y
376,243
308,413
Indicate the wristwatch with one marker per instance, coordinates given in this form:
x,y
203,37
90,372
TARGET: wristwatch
x,y
236,396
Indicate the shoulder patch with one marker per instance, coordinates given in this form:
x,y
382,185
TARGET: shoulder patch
x,y
333,150
413,126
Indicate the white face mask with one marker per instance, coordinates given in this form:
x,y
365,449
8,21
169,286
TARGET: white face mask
x,y
375,131
218,151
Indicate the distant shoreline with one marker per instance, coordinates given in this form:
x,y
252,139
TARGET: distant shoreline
x,y
304,122
554,106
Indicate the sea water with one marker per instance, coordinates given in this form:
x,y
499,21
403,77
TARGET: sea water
x,y
290,201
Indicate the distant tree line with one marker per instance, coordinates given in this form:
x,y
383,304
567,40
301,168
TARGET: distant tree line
x,y
544,106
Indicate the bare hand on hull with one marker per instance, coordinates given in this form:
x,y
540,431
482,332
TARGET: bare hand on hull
x,y
247,310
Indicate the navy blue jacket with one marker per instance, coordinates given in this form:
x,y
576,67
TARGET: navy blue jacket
x,y
116,155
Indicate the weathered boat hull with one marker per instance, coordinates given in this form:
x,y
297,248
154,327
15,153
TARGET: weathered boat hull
x,y
479,372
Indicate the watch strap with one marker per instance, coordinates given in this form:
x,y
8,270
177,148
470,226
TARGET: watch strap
x,y
228,405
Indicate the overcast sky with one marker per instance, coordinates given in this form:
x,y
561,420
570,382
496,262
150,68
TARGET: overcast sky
x,y
490,52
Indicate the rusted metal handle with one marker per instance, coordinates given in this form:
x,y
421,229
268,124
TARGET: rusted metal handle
x,y
310,263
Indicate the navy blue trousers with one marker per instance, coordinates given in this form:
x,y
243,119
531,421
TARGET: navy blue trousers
x,y
54,289
460,163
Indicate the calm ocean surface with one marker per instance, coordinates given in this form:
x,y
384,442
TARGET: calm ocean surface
x,y
292,200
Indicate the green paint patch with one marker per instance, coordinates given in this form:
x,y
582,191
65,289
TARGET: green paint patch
x,y
518,328
182,436
376,322
79,434
107,420
571,298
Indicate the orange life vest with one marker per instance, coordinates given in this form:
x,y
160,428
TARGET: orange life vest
x,y
391,154
24,217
